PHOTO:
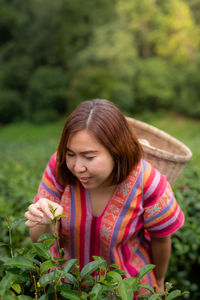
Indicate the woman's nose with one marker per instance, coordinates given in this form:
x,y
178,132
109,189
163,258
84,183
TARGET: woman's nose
x,y
79,167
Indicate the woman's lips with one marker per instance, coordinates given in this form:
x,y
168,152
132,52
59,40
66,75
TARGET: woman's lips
x,y
84,179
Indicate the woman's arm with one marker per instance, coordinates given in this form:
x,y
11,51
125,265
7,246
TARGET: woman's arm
x,y
38,230
160,251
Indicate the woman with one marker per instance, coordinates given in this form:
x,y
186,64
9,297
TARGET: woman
x,y
118,206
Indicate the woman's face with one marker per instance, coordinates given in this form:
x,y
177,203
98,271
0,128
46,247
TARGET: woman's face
x,y
88,160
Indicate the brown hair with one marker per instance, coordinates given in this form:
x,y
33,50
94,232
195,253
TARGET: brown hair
x,y
108,124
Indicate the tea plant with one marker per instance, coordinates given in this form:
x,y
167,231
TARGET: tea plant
x,y
34,274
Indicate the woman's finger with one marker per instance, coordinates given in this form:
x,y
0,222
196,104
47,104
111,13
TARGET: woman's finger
x,y
31,217
44,205
35,209
30,224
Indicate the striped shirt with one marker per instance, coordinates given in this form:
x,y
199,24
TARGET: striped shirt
x,y
142,206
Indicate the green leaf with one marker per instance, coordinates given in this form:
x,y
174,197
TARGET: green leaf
x,y
71,295
45,236
19,278
114,266
88,283
60,216
45,266
161,294
16,222
91,267
115,276
44,297
147,287
16,287
71,278
103,266
84,295
97,257
96,291
70,265
24,298
155,297
3,244
133,282
173,294
3,259
144,270
47,278
52,209
119,271
48,243
42,251
5,283
125,290
20,262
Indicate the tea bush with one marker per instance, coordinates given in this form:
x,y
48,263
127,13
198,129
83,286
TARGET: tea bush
x,y
34,274
185,259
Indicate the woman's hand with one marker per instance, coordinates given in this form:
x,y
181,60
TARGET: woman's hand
x,y
39,213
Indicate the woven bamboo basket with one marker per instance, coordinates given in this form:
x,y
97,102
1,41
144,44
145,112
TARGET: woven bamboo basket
x,y
167,154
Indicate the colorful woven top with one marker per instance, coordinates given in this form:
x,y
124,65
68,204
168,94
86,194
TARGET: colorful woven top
x,y
142,206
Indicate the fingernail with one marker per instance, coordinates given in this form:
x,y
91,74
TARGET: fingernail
x,y
41,214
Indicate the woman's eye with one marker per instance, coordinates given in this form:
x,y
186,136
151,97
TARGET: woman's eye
x,y
70,154
90,157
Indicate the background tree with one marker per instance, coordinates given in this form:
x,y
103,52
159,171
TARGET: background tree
x,y
139,54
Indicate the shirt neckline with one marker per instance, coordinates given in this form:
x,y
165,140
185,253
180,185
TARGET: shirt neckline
x,y
89,207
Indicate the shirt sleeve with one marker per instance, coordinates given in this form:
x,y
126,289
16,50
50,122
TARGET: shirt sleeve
x,y
50,187
162,214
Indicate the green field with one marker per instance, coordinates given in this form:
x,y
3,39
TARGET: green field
x,y
26,148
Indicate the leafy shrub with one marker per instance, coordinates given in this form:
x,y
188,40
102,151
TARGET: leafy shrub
x,y
11,108
16,73
88,83
185,259
154,84
47,94
34,274
188,96
122,95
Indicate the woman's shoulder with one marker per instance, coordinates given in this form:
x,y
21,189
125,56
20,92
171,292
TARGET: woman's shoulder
x,y
150,172
51,169
145,168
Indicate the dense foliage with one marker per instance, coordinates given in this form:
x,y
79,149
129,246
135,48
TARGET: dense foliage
x,y
140,54
34,274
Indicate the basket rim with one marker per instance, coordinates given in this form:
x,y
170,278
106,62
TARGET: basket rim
x,y
164,154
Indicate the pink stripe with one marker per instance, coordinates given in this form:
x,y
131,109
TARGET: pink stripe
x,y
172,227
120,256
126,255
157,189
82,225
168,219
53,179
87,230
